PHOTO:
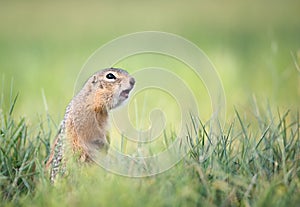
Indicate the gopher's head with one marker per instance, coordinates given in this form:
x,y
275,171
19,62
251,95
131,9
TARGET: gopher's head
x,y
111,87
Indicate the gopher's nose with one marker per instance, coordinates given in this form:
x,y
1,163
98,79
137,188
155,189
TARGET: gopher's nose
x,y
132,81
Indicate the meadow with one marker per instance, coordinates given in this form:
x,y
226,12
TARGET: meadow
x,y
253,159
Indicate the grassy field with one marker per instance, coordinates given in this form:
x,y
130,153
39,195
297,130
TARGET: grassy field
x,y
253,160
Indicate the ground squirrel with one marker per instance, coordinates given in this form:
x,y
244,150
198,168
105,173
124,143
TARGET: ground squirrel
x,y
84,126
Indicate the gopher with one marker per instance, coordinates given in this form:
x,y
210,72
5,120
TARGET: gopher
x,y
84,126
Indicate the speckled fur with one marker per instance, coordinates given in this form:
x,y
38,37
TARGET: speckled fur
x,y
84,126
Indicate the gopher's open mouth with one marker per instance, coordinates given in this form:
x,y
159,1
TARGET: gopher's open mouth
x,y
125,93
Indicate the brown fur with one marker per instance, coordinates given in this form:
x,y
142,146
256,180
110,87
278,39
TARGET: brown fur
x,y
86,118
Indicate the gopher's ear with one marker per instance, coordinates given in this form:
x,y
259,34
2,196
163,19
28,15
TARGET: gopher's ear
x,y
94,79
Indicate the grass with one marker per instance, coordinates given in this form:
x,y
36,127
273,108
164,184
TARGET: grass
x,y
253,161
22,151
249,167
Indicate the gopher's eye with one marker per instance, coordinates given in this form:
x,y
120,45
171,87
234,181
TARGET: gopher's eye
x,y
110,76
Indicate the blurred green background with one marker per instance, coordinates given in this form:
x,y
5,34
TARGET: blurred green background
x,y
255,45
